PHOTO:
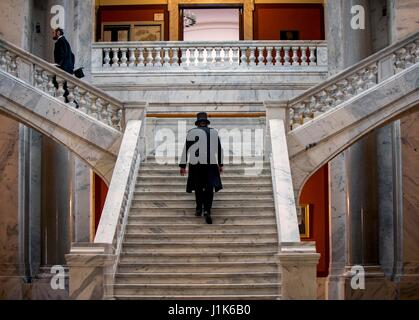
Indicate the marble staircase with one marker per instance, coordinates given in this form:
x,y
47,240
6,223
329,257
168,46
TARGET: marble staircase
x,y
168,253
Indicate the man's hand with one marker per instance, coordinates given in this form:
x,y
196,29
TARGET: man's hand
x,y
182,171
221,170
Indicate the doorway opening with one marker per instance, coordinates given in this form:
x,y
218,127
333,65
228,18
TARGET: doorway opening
x,y
210,23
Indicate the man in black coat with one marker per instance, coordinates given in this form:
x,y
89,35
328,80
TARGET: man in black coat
x,y
205,164
63,56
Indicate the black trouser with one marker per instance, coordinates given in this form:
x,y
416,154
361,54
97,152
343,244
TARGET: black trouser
x,y
66,93
204,197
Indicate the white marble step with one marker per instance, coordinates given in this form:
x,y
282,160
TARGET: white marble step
x,y
162,229
195,289
192,220
183,196
237,165
197,237
197,278
215,212
186,204
186,257
227,188
225,178
196,297
219,247
227,172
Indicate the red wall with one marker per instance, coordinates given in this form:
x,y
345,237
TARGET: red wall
x,y
269,19
315,193
131,13
101,190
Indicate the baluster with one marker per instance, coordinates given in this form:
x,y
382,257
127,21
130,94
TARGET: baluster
x,y
13,64
372,76
107,58
295,56
226,57
124,57
3,59
410,54
44,81
201,57
260,57
278,56
243,57
131,57
71,97
50,85
313,60
166,58
339,95
417,51
140,57
360,83
114,116
252,58
269,56
38,78
104,111
304,60
330,100
158,58
297,117
93,107
399,63
350,88
217,56
82,101
59,94
115,58
319,103
307,111
183,58
235,56
149,59
287,56
192,56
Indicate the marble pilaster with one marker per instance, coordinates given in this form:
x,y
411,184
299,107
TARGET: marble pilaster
x,y
402,22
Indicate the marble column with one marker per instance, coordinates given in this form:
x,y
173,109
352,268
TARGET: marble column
x,y
403,21
15,27
354,206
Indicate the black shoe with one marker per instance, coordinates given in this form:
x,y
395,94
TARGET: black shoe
x,y
207,217
198,213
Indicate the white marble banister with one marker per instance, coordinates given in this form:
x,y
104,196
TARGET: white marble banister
x,y
285,208
175,55
41,74
112,224
352,81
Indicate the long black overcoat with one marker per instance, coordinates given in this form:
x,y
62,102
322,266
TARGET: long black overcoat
x,y
203,173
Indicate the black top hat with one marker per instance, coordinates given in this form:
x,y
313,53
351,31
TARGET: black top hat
x,y
201,117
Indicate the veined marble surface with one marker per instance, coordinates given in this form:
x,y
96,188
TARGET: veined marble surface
x,y
91,140
319,140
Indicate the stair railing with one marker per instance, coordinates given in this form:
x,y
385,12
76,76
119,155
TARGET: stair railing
x,y
41,74
112,225
285,208
354,80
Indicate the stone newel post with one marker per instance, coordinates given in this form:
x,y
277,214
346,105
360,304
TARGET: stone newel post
x,y
298,267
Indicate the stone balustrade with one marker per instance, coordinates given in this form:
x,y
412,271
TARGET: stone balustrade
x,y
41,74
353,81
175,55
114,217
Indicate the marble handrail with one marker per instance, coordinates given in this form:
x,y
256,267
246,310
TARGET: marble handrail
x,y
210,54
41,74
114,217
352,81
285,208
